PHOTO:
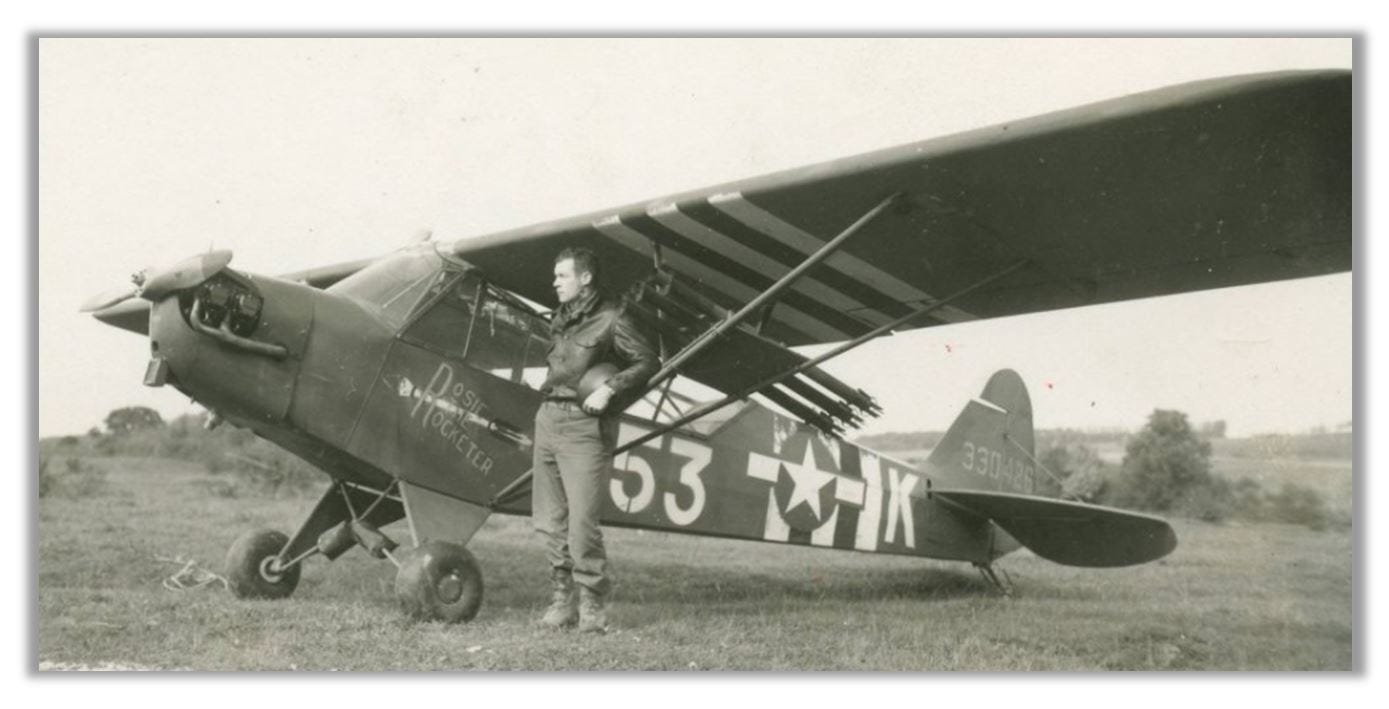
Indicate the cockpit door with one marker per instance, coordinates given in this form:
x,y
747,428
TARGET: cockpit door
x,y
453,408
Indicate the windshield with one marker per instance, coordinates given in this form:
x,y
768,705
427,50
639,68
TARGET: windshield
x,y
395,283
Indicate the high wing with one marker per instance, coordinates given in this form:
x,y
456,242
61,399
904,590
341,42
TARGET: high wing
x,y
1216,183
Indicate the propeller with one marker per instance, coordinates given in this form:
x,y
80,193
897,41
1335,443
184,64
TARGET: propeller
x,y
108,298
154,284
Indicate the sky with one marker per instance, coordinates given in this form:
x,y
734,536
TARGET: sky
x,y
296,153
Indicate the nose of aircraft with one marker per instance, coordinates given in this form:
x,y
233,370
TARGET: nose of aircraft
x,y
128,308
229,339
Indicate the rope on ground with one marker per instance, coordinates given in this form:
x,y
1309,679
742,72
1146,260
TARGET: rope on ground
x,y
191,576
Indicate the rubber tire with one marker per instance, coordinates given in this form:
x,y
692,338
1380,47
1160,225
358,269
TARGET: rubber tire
x,y
244,562
423,583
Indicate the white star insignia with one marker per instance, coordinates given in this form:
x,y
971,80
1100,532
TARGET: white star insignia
x,y
808,480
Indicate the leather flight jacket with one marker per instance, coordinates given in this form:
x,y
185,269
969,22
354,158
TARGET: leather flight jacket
x,y
592,329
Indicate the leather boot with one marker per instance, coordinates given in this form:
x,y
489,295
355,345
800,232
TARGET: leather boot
x,y
593,616
563,611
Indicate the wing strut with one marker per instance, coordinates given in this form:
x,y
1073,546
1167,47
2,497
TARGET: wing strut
x,y
520,485
711,335
711,407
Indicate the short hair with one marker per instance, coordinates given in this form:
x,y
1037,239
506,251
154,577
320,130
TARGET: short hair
x,y
584,261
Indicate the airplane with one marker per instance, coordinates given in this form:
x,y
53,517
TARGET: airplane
x,y
411,379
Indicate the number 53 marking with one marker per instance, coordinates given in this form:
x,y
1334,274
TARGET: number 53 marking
x,y
698,458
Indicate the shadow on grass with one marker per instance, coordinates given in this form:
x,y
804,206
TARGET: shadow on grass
x,y
658,583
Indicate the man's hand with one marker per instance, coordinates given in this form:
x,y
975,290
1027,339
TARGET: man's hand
x,y
598,400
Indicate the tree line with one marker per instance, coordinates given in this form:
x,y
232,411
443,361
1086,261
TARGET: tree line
x,y
252,465
1167,469
1166,466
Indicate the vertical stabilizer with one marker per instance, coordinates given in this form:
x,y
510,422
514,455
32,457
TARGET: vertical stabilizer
x,y
990,446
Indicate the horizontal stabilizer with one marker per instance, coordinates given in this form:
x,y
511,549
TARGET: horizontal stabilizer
x,y
1071,533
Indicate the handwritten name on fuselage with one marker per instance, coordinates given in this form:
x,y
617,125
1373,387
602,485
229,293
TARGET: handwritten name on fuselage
x,y
447,408
1013,473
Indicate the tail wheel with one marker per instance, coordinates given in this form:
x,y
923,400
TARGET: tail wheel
x,y
439,581
253,566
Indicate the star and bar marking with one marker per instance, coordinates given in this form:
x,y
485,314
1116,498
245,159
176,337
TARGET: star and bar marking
x,y
815,495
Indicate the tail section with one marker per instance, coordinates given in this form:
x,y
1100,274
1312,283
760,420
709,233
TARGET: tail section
x,y
985,466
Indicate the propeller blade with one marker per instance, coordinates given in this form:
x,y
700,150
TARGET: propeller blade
x,y
106,299
132,315
184,274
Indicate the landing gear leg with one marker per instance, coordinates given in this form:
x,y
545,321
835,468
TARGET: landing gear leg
x,y
266,564
1003,584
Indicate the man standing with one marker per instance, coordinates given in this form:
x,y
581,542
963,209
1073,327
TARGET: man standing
x,y
574,438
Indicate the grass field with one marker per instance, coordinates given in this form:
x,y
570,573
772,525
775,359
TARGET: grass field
x,y
1230,597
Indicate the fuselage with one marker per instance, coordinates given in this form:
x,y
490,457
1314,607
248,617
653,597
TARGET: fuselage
x,y
415,368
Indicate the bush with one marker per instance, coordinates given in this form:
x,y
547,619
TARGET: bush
x,y
1166,462
132,418
259,466
1081,474
1295,504
75,479
1087,484
271,473
1055,464
1248,501
1210,501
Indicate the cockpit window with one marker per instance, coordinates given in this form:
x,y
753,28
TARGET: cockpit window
x,y
509,342
445,319
485,327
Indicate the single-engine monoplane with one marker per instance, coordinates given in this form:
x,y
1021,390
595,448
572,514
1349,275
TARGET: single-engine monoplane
x,y
411,379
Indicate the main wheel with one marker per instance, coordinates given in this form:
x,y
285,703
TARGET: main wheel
x,y
439,581
250,566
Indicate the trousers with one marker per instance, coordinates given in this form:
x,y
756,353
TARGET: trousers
x,y
572,462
